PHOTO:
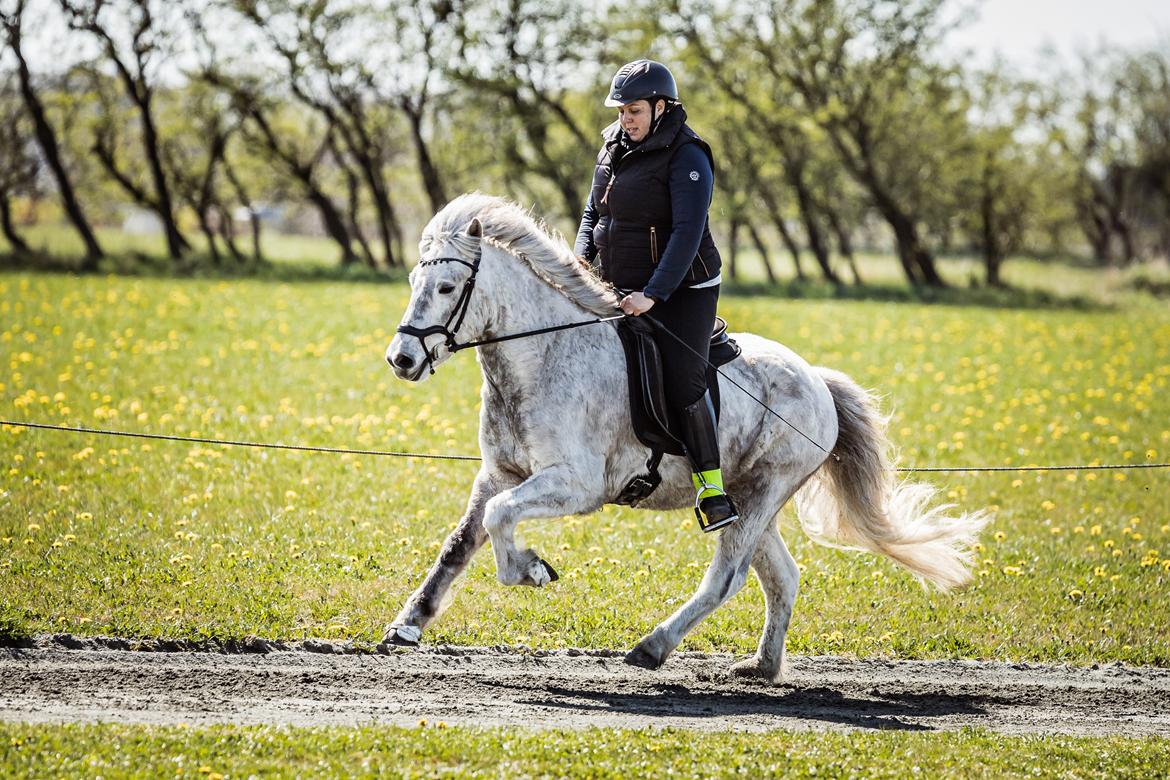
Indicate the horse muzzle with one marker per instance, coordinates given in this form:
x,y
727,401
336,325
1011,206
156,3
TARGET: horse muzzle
x,y
408,359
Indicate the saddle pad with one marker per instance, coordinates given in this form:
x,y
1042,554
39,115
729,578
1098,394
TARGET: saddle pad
x,y
653,423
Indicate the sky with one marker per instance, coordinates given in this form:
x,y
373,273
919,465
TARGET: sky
x,y
1016,29
1020,29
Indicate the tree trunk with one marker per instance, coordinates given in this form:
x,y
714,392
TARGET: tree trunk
x,y
793,247
734,240
363,151
353,200
19,246
141,94
763,250
332,220
209,235
1097,230
778,221
992,251
246,202
844,244
917,262
432,180
228,234
1125,233
47,140
176,244
355,227
816,239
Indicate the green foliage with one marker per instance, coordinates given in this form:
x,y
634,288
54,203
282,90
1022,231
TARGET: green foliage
x,y
828,118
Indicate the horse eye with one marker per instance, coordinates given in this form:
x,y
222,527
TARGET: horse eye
x,y
446,289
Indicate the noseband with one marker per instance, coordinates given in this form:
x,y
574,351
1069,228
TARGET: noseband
x,y
447,329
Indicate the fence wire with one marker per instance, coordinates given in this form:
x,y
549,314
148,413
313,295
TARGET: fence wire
x,y
441,456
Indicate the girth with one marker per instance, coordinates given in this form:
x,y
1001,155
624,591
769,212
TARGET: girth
x,y
653,424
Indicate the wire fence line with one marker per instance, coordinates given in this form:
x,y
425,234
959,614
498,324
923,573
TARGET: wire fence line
x,y
440,456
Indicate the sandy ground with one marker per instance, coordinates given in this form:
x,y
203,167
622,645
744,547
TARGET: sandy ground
x,y
62,678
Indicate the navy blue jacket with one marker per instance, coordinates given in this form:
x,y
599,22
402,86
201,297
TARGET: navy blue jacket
x,y
645,221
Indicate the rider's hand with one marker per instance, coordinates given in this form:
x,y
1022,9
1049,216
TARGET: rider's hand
x,y
636,304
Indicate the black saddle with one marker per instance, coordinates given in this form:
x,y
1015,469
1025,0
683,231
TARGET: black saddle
x,y
654,425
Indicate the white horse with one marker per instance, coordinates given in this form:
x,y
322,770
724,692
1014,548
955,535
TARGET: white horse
x,y
556,439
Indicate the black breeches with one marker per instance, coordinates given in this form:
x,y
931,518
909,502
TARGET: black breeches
x,y
690,315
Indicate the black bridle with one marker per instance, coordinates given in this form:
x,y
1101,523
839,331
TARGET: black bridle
x,y
457,314
449,328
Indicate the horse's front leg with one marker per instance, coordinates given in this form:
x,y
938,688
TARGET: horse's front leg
x,y
461,545
560,490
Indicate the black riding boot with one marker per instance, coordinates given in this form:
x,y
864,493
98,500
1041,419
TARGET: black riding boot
x,y
713,507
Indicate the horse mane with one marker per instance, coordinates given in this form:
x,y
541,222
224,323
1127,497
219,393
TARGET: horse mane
x,y
515,230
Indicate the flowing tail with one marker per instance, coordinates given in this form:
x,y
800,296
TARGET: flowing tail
x,y
858,502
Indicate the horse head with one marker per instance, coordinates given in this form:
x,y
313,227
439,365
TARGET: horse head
x,y
441,287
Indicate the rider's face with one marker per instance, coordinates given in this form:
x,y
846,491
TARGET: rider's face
x,y
635,118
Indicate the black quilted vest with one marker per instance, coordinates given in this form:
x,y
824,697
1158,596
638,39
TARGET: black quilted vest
x,y
632,198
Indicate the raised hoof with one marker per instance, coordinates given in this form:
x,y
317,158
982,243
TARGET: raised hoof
x,y
402,636
640,658
535,573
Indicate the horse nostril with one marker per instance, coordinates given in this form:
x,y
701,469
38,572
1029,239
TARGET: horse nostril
x,y
404,361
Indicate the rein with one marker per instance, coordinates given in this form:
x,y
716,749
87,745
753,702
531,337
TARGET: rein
x,y
460,311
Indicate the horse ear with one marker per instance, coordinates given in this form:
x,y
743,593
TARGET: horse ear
x,y
474,228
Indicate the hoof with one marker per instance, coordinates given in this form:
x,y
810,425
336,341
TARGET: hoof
x,y
402,636
640,658
535,572
752,668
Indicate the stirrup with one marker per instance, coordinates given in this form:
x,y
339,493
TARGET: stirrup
x,y
720,512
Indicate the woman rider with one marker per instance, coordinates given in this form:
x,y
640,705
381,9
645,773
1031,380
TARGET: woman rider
x,y
645,225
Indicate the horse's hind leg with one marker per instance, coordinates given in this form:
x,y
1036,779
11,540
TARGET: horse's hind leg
x,y
779,577
724,578
461,545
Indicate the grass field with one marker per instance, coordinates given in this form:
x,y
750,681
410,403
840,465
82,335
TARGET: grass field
x,y
119,536
116,536
432,750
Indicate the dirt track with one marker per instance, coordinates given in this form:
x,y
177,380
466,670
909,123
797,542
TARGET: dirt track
x,y
321,684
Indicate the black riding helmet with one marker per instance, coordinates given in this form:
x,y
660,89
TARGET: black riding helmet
x,y
642,80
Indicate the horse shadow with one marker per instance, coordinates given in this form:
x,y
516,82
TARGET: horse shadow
x,y
898,711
